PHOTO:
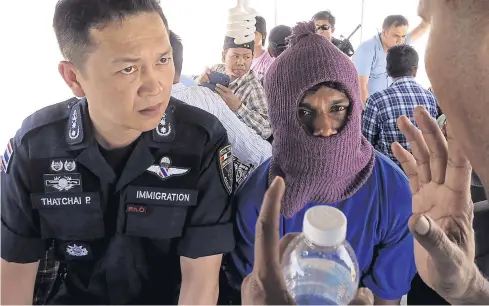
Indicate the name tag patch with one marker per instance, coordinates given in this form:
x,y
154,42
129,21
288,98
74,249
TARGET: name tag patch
x,y
159,196
42,200
137,209
62,182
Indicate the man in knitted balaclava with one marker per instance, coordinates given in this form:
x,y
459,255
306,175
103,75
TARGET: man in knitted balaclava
x,y
315,112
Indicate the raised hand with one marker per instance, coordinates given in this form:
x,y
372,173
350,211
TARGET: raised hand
x,y
439,177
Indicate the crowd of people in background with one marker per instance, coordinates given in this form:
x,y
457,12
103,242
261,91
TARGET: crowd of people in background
x,y
305,121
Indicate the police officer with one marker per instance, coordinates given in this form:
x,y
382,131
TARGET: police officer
x,y
132,187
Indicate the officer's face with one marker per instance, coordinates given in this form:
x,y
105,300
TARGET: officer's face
x,y
238,61
324,112
127,78
395,35
324,28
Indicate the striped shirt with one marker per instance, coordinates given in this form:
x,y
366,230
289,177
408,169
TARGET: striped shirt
x,y
247,145
254,106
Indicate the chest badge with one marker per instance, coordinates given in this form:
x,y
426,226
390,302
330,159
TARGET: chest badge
x,y
76,250
164,169
62,182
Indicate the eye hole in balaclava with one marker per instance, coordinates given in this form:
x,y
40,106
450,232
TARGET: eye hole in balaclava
x,y
323,110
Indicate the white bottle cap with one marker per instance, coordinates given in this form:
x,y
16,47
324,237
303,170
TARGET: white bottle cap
x,y
324,225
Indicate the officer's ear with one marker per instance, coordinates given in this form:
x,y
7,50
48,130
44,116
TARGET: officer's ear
x,y
70,74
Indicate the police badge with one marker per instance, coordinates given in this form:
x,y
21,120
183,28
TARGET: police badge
x,y
226,167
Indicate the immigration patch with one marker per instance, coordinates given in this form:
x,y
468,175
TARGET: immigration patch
x,y
226,167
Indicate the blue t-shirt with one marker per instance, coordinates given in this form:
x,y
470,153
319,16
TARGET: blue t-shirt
x,y
370,60
377,228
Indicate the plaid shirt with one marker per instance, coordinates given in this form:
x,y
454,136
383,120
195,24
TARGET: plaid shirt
x,y
46,275
254,107
384,107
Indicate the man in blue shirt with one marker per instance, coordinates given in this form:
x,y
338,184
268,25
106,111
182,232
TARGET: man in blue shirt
x,y
319,149
379,122
370,56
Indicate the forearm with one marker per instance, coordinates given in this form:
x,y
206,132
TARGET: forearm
x,y
17,283
204,293
380,301
364,95
478,292
255,119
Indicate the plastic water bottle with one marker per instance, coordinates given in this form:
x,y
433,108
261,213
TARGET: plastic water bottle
x,y
320,266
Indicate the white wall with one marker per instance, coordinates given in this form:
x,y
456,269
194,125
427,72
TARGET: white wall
x,y
29,78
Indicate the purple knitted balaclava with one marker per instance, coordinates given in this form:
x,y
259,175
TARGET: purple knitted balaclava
x,y
315,169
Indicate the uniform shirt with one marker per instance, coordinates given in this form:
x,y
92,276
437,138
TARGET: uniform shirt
x,y
379,122
377,228
254,106
261,64
118,239
248,146
370,59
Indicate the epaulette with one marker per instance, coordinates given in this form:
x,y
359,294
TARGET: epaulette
x,y
185,113
43,117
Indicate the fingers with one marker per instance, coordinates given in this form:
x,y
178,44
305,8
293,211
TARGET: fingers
x,y
284,243
431,237
419,148
436,143
223,88
408,163
267,226
364,297
204,77
459,169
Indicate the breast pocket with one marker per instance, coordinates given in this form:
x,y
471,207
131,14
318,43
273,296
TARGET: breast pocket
x,y
70,216
157,213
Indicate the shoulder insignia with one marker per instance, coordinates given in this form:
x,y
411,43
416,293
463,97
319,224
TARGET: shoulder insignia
x,y
226,168
74,133
165,131
48,115
242,171
7,156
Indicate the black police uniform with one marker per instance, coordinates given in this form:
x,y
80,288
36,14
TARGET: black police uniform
x,y
118,231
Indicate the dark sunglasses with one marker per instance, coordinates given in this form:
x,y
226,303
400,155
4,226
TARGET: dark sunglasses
x,y
323,27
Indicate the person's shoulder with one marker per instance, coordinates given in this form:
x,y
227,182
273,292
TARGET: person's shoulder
x,y
367,44
377,98
197,119
253,80
388,167
391,180
47,117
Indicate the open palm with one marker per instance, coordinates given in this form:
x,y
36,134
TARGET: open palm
x,y
439,177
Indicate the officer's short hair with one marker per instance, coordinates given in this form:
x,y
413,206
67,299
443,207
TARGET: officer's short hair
x,y
394,21
325,15
177,46
401,61
73,20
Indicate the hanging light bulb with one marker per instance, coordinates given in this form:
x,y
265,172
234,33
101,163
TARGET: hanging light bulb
x,y
241,23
